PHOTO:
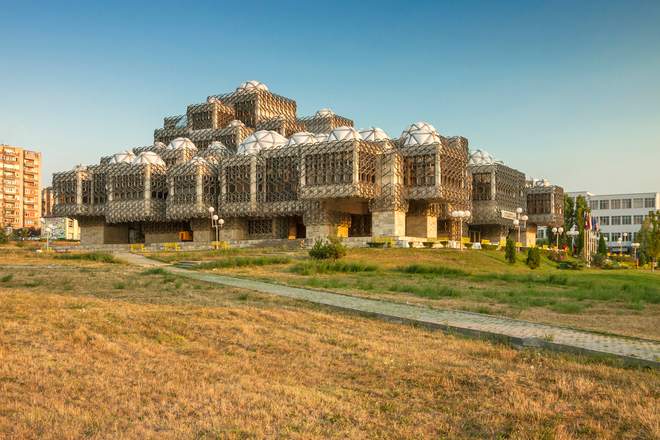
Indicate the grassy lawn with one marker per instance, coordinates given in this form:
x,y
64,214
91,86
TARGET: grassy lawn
x,y
93,348
625,302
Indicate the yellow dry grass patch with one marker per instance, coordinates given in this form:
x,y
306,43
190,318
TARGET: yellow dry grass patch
x,y
72,366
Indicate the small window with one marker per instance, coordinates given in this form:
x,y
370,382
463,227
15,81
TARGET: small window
x,y
616,204
604,204
649,203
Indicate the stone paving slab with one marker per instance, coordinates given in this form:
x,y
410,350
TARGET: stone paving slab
x,y
517,332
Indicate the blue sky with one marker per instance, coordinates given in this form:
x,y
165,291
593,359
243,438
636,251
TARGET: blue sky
x,y
569,91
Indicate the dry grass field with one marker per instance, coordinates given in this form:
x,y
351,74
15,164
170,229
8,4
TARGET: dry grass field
x,y
625,302
92,349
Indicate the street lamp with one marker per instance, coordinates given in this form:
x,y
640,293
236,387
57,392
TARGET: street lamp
x,y
461,216
520,218
635,246
625,238
573,232
216,222
557,231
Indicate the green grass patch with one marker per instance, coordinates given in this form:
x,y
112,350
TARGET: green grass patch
x,y
6,278
119,286
100,257
568,308
427,269
154,271
243,262
321,267
433,292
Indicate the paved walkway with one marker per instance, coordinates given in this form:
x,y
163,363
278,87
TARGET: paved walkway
x,y
522,333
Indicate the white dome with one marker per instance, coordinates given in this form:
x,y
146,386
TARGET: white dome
x,y
182,122
158,146
181,143
481,157
321,137
373,134
344,134
148,158
236,123
324,112
198,161
216,147
123,157
302,137
252,85
419,133
260,140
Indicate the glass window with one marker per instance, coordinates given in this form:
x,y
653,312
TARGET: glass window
x,y
615,236
604,220
616,219
616,203
604,204
593,204
649,203
626,203
638,203
638,219
626,220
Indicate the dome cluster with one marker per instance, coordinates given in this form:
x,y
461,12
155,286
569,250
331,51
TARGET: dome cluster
x,y
122,157
344,134
181,144
324,113
261,140
373,134
482,157
251,86
148,158
419,133
302,137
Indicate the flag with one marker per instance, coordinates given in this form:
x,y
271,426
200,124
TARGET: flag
x,y
587,221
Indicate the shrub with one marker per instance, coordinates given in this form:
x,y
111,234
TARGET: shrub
x,y
602,246
330,249
533,258
599,260
3,237
510,251
571,265
6,278
557,257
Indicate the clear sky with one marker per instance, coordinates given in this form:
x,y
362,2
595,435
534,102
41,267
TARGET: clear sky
x,y
569,90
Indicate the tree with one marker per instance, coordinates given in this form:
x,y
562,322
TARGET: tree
x,y
569,217
649,235
510,251
4,238
602,246
581,208
533,258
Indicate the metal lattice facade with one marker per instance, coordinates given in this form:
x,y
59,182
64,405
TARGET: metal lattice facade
x,y
272,174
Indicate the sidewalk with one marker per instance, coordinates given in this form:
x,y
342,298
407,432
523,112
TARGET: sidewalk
x,y
521,333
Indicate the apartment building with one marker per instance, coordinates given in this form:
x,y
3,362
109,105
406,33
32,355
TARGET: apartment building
x,y
20,182
61,228
620,215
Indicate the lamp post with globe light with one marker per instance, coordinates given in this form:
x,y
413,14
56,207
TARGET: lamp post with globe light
x,y
573,232
557,231
520,218
461,216
216,222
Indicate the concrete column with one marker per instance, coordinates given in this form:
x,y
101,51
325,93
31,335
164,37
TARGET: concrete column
x,y
199,189
253,182
356,165
422,226
147,189
388,224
